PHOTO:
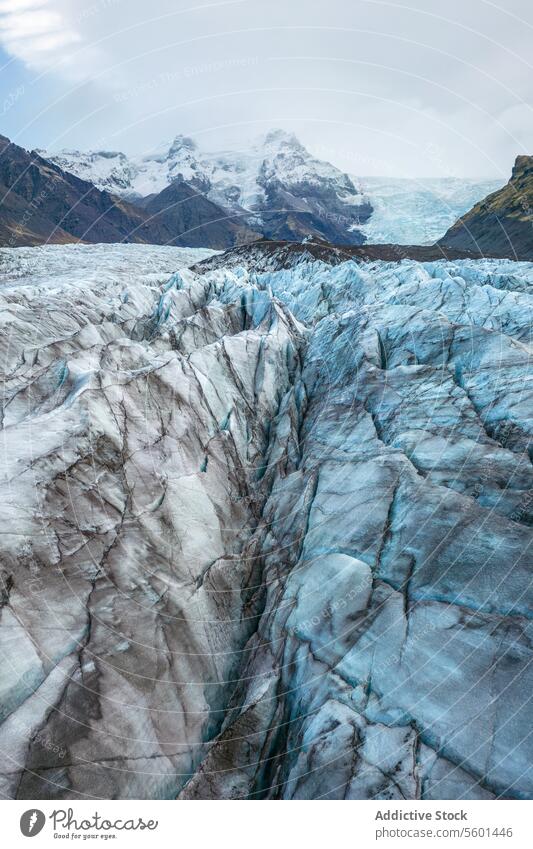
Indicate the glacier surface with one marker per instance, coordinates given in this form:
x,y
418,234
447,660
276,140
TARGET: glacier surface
x,y
266,531
418,212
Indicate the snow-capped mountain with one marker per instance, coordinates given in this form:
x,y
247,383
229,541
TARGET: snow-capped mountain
x,y
236,179
42,203
276,184
108,170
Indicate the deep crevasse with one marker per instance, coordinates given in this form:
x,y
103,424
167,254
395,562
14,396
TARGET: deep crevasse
x,y
260,555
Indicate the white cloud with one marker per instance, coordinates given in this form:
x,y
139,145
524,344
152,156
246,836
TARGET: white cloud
x,y
11,6
33,31
388,82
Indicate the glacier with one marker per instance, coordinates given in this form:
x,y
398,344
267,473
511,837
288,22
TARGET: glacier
x,y
408,211
267,526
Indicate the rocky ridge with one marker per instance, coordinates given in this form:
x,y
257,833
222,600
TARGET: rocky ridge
x,y
503,221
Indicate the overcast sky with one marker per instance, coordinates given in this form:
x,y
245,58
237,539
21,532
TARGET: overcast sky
x,y
410,88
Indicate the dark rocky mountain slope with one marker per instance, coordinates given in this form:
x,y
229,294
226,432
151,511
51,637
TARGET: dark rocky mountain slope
x,y
502,223
182,209
40,203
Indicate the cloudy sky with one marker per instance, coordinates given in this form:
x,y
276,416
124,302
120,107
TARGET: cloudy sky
x,y
414,88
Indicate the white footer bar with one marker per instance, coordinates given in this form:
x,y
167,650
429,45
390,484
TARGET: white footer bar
x,y
267,825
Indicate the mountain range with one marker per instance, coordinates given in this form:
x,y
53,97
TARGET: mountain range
x,y
276,186
180,195
40,202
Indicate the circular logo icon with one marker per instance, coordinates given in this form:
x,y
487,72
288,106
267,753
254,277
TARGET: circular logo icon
x,y
32,822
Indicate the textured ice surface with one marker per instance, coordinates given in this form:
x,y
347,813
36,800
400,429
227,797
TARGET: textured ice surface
x,y
265,534
89,266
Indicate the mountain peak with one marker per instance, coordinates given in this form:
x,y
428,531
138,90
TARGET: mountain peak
x,y
277,137
522,166
182,142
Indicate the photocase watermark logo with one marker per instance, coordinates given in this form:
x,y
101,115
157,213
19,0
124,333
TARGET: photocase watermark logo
x,y
63,822
32,822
